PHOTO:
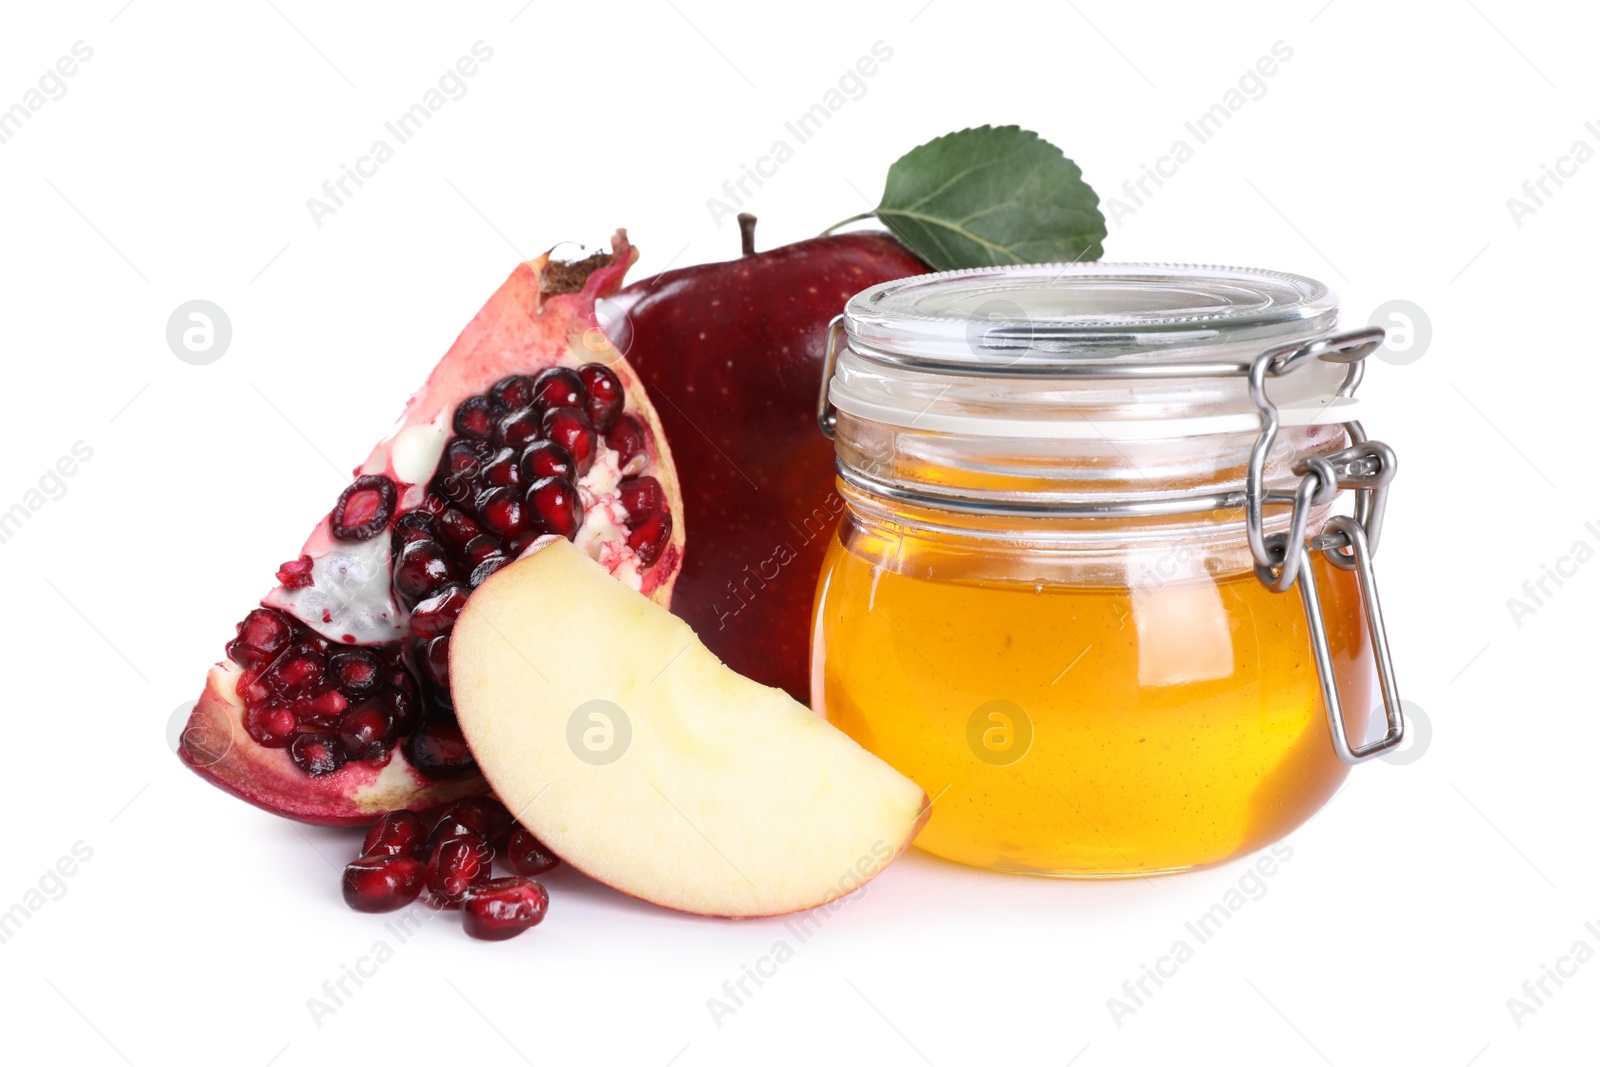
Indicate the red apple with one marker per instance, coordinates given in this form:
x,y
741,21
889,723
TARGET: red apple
x,y
731,354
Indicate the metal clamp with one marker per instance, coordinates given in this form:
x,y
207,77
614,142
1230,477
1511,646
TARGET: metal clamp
x,y
1283,560
830,359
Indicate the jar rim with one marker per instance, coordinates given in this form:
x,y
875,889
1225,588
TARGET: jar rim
x,y
1055,319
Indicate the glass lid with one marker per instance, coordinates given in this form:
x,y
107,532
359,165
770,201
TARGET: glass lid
x,y
1044,320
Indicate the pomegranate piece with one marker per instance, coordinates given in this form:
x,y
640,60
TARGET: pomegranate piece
x,y
399,833
528,855
382,882
340,679
455,865
503,908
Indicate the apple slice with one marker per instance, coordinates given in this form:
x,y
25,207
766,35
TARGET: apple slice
x,y
654,768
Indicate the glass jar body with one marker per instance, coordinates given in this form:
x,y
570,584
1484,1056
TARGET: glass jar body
x,y
1095,698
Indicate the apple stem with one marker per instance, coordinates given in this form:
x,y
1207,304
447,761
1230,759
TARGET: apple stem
x,y
747,234
848,221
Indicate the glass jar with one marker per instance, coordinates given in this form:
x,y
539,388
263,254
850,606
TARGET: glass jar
x,y
1091,589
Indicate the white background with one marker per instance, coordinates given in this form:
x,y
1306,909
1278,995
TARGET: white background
x,y
177,166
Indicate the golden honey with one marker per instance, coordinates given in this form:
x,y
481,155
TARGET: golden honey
x,y
1090,730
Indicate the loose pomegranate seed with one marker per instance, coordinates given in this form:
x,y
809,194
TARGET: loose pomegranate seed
x,y
262,635
296,574
473,418
422,567
355,671
317,754
528,855
461,819
364,508
569,427
555,502
605,395
364,729
438,749
546,459
503,907
483,571
455,865
511,393
558,387
628,440
382,883
502,511
436,660
503,467
399,833
435,616
649,537
494,815
456,529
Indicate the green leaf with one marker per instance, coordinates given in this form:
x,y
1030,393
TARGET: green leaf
x,y
989,196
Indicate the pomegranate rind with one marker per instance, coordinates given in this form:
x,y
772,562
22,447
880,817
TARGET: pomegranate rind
x,y
520,330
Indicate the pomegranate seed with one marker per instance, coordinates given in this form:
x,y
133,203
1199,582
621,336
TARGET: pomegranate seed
x,y
455,865
438,749
483,571
355,671
546,459
296,574
642,497
628,440
382,883
399,833
289,675
435,616
569,428
270,727
558,387
456,529
649,537
364,729
328,705
502,511
511,393
483,548
519,545
473,418
403,707
457,480
516,428
495,816
317,754
503,468
412,526
436,658
528,855
364,508
605,395
503,907
422,567
555,502
262,635
461,819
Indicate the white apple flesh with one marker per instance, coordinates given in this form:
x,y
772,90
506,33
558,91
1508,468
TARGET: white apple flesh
x,y
613,734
